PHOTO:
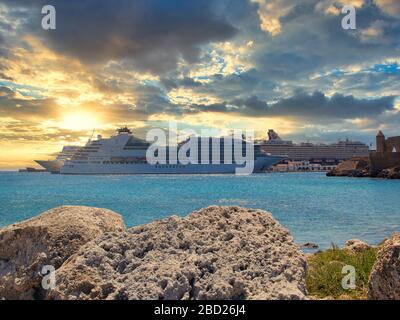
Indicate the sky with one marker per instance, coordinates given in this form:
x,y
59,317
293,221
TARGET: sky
x,y
224,64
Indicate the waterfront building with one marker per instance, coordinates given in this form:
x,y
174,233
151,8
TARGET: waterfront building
x,y
303,166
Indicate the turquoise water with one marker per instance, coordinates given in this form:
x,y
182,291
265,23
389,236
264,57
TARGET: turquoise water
x,y
315,208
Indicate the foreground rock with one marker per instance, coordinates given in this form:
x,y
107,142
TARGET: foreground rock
x,y
215,253
384,281
355,245
48,239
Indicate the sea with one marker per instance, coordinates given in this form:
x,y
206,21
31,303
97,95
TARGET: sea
x,y
315,208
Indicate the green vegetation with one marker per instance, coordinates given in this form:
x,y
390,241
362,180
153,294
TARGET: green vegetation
x,y
325,276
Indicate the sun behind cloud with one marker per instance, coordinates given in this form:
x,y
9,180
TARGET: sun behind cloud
x,y
79,120
263,64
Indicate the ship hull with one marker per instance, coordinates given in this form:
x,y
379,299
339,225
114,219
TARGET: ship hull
x,y
51,165
143,168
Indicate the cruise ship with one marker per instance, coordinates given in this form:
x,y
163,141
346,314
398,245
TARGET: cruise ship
x,y
56,164
339,151
124,153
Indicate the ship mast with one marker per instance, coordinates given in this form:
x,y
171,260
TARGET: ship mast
x,y
91,137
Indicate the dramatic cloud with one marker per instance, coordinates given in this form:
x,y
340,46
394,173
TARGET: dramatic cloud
x,y
314,106
314,42
391,7
283,64
154,34
318,106
270,13
19,108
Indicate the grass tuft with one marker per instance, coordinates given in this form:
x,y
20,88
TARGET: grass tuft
x,y
324,279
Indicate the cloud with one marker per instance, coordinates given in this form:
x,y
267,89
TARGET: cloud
x,y
153,34
378,80
391,7
313,42
319,106
287,64
376,30
270,13
13,106
316,106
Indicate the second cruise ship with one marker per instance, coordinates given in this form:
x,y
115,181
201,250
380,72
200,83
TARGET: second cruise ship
x,y
339,151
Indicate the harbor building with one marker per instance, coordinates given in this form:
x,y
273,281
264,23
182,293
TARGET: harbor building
x,y
302,166
387,153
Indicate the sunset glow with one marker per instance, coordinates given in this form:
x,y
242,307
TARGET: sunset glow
x,y
79,121
286,65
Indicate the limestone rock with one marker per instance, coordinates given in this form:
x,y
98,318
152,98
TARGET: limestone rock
x,y
384,281
355,167
48,239
356,245
214,253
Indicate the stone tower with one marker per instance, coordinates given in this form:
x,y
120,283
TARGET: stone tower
x,y
380,142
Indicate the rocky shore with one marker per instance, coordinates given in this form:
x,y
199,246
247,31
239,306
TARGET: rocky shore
x,y
214,253
359,168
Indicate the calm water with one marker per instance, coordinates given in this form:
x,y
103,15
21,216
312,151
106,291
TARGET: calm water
x,y
315,208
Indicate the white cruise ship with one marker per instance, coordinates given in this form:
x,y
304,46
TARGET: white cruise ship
x,y
124,153
339,151
56,164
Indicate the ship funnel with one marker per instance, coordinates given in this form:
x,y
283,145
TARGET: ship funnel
x,y
272,135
